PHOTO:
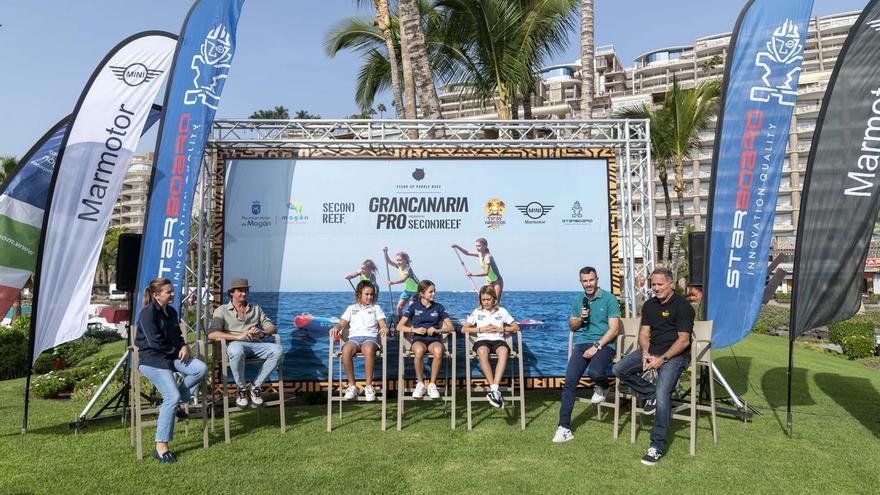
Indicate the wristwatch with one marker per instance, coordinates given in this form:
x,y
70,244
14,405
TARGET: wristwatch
x,y
597,345
665,359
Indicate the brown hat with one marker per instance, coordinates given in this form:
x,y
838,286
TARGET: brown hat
x,y
239,283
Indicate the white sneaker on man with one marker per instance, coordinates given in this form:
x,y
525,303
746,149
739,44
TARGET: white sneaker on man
x,y
351,391
419,391
369,393
433,392
563,434
599,394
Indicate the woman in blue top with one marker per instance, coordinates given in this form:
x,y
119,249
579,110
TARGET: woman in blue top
x,y
162,352
426,320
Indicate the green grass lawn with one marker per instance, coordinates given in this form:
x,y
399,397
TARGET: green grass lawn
x,y
835,447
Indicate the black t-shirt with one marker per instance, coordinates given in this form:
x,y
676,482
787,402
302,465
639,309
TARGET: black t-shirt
x,y
666,320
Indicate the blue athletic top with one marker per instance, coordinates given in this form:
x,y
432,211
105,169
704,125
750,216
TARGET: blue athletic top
x,y
420,316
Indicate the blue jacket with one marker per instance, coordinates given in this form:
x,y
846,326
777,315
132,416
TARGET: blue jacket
x,y
158,336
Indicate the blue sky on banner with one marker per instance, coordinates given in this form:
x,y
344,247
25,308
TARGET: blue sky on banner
x,y
49,49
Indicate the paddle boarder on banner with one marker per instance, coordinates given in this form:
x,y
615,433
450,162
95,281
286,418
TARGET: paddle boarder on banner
x,y
487,263
408,278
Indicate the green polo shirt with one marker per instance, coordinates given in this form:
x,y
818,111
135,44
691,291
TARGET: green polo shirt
x,y
225,319
602,307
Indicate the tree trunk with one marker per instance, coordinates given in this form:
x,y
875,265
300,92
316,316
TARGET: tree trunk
x,y
588,51
527,106
410,23
679,229
16,307
514,110
409,90
502,104
383,23
667,201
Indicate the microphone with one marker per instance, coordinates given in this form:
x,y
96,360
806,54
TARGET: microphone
x,y
585,320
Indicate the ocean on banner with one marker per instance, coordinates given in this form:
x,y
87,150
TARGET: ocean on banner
x,y
305,356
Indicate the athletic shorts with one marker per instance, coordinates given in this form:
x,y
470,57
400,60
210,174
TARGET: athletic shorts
x,y
360,341
493,345
407,295
426,339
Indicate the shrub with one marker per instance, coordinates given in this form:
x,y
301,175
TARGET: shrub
x,y
51,384
771,318
782,296
102,336
858,346
839,331
13,353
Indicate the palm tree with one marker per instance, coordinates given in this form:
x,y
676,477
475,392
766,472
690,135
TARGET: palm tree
x,y
495,46
278,113
381,109
7,165
414,36
305,115
675,128
588,53
383,23
107,258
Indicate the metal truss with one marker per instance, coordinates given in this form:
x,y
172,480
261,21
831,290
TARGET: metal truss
x,y
629,140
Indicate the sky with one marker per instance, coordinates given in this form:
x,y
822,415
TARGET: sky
x,y
49,48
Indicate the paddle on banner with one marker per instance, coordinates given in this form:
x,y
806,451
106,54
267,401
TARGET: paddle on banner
x,y
761,80
105,128
201,66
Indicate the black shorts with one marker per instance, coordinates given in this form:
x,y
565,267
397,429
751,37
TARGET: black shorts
x,y
426,339
493,345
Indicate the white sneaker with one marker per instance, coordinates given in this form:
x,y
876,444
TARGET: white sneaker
x,y
599,394
351,392
433,392
419,392
563,434
369,393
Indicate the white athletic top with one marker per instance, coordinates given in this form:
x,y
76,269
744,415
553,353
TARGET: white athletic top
x,y
363,320
481,318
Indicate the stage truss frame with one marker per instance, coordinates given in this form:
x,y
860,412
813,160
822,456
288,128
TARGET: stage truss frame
x,y
628,140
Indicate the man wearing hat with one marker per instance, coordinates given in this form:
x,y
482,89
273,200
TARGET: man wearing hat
x,y
246,329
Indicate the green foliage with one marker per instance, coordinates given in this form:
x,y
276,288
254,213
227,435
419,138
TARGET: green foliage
x,y
278,113
782,296
771,318
858,346
54,383
71,352
102,336
838,332
13,352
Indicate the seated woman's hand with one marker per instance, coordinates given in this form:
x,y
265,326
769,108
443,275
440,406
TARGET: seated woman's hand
x,y
334,332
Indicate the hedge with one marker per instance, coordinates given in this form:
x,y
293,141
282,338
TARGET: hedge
x,y
839,331
858,346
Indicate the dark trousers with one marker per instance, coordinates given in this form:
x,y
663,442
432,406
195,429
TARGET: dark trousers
x,y
629,371
597,369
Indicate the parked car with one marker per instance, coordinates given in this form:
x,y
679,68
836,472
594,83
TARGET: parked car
x,y
117,295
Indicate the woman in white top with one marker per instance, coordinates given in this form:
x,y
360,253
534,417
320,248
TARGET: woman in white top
x,y
365,322
490,322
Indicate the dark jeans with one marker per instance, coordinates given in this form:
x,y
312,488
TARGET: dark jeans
x,y
597,368
629,371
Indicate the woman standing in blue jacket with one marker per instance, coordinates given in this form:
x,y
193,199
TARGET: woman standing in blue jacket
x,y
163,351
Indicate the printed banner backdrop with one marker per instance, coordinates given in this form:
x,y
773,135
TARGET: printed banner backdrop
x,y
759,97
295,228
201,66
22,202
841,194
104,133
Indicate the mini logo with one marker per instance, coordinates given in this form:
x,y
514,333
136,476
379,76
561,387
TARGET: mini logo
x,y
781,63
211,69
418,174
256,207
135,74
495,213
534,210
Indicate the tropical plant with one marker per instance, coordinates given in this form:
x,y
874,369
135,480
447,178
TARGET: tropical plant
x,y
496,46
588,52
107,258
278,113
381,109
416,47
7,165
305,115
383,23
675,128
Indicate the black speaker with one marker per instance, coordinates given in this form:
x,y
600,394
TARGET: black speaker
x,y
127,253
696,257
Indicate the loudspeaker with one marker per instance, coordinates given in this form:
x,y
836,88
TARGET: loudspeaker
x,y
696,257
127,253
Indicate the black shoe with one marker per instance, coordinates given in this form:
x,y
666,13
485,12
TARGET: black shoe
x,y
256,399
650,406
181,414
167,457
652,456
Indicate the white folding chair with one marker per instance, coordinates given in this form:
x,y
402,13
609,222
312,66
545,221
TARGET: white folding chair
x,y
335,354
612,382
517,394
404,393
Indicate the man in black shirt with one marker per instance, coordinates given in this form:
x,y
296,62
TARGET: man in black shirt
x,y
664,347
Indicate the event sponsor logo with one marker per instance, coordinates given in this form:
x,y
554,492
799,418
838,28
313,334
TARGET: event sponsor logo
x,y
577,216
106,167
418,174
869,157
211,68
256,207
255,219
495,213
297,209
534,211
781,62
336,212
174,237
135,74
412,212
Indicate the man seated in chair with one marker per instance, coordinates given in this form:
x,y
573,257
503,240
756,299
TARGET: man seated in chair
x,y
248,334
595,319
664,353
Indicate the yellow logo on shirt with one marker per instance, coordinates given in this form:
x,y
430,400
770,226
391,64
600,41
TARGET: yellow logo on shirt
x,y
664,314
